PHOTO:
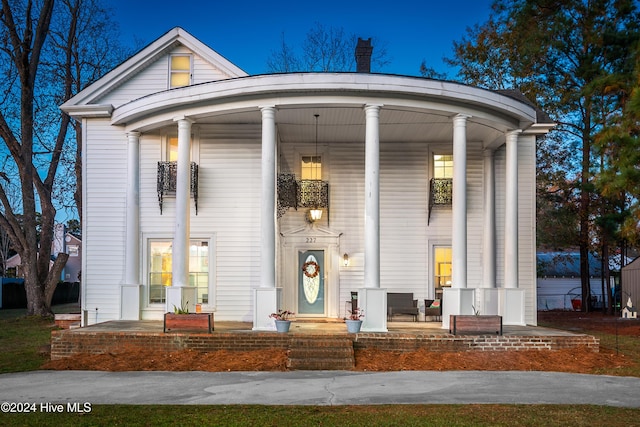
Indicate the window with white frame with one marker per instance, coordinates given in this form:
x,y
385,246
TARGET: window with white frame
x,y
180,70
311,167
442,266
442,166
160,263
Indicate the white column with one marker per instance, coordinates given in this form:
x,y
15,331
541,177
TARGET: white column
x,y
372,198
372,299
488,295
458,299
180,252
268,202
132,239
459,202
266,296
511,212
489,231
130,288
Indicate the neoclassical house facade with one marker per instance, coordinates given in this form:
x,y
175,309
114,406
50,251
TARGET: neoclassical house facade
x,y
202,185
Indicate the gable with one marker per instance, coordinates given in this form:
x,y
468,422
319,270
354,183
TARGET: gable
x,y
147,72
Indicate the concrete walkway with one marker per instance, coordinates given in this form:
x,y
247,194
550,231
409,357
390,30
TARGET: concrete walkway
x,y
318,388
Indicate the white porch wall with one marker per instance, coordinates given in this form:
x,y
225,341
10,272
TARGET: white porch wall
x,y
230,167
228,208
405,235
105,174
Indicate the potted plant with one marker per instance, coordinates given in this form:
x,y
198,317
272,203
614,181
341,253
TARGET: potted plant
x,y
282,319
354,321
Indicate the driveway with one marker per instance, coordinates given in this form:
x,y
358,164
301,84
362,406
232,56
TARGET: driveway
x,y
319,388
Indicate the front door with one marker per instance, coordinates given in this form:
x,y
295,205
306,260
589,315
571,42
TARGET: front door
x,y
311,289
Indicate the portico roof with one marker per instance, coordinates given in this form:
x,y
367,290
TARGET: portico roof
x,y
413,109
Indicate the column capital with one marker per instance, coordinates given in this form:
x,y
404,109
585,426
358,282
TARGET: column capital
x,y
133,136
183,119
512,135
461,118
372,107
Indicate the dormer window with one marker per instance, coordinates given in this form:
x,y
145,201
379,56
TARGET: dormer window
x,y
180,71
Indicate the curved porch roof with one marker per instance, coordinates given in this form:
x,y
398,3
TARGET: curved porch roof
x,y
413,109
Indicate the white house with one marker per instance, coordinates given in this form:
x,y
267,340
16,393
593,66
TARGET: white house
x,y
199,180
63,242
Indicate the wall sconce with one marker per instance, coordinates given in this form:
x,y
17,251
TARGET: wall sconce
x,y
315,214
345,260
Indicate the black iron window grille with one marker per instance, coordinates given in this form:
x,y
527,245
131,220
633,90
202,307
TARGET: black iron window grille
x,y
440,193
306,193
167,176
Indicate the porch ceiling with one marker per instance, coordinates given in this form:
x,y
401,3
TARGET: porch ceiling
x,y
340,124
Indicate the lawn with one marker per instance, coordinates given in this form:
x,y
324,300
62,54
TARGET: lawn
x,y
23,338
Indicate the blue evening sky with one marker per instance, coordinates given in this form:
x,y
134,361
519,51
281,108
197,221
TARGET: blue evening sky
x,y
246,32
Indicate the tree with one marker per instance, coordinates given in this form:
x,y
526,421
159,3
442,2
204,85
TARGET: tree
x,y
323,50
41,44
553,51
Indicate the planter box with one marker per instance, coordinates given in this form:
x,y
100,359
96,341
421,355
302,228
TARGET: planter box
x,y
189,321
461,324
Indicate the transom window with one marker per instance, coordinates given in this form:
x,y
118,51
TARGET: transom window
x,y
160,263
442,266
311,167
180,71
443,166
172,149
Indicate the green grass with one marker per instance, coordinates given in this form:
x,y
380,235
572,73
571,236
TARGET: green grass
x,y
22,338
379,415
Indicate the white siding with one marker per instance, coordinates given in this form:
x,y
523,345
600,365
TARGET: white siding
x,y
228,208
155,78
104,223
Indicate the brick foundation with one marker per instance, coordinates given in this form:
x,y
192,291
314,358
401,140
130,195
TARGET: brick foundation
x,y
65,343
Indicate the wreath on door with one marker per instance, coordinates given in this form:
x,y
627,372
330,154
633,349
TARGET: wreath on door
x,y
311,269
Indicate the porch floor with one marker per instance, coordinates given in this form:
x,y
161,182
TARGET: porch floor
x,y
320,327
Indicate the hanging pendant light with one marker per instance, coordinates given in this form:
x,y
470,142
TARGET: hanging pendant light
x,y
316,213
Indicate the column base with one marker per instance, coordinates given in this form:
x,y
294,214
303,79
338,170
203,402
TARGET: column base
x,y
457,301
488,300
266,301
512,306
130,302
181,297
373,301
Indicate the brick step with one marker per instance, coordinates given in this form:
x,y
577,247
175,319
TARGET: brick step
x,y
323,353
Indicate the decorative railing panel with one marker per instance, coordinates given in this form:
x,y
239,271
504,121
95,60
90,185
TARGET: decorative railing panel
x,y
306,193
440,193
313,193
287,193
167,177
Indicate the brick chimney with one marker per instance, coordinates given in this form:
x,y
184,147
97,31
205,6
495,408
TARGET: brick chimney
x,y
363,55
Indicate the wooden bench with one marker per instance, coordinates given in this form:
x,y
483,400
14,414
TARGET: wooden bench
x,y
472,324
188,321
401,303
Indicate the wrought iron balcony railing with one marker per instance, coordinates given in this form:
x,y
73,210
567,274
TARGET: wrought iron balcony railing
x,y
167,176
440,193
306,193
